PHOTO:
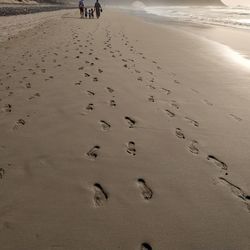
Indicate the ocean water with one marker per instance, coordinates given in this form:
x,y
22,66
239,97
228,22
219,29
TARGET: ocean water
x,y
238,17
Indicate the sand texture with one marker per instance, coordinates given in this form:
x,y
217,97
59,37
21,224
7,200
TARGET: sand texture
x,y
118,133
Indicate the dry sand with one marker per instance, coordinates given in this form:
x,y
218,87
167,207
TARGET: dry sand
x,y
122,134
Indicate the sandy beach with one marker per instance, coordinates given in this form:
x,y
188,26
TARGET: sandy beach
x,y
123,133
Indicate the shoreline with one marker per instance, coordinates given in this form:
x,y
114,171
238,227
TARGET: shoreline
x,y
214,32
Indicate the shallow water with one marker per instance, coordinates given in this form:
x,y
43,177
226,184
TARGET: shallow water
x,y
237,17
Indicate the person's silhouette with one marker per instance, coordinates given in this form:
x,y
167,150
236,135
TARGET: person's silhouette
x,y
98,9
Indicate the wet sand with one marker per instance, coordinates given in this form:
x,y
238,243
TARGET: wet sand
x,y
118,133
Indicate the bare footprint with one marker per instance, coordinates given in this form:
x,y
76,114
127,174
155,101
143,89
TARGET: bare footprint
x,y
130,121
105,125
90,107
151,86
147,193
166,90
91,93
175,104
7,108
110,90
217,162
195,91
100,195
207,102
28,85
179,133
2,172
131,148
192,121
93,152
151,99
112,103
237,118
237,191
20,122
170,113
146,246
193,147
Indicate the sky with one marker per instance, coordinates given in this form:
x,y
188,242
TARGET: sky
x,y
237,2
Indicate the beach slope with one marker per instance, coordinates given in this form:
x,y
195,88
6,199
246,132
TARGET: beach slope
x,y
119,133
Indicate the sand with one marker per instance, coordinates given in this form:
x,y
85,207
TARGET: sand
x,y
120,133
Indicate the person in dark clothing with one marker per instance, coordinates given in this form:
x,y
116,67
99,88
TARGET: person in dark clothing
x,y
98,9
81,7
86,12
92,13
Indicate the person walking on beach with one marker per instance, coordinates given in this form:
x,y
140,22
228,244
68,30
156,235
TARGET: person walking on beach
x,y
98,9
81,8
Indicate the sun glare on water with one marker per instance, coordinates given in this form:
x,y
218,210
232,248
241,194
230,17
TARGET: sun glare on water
x,y
235,56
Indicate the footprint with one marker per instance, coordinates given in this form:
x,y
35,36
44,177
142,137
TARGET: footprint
x,y
78,83
192,121
179,133
170,113
105,125
237,118
112,103
237,191
90,107
28,85
93,152
100,71
147,193
166,90
151,86
110,90
2,172
130,121
151,99
207,102
193,147
175,104
146,246
86,75
131,148
91,93
195,91
95,79
100,195
20,122
217,162
7,108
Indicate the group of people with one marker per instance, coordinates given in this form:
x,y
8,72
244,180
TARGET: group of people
x,y
89,12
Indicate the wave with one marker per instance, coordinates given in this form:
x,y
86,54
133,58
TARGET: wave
x,y
238,17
